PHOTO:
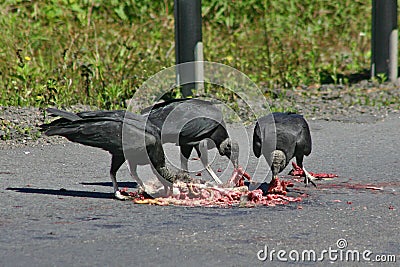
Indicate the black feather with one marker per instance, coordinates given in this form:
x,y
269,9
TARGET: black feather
x,y
123,134
287,132
186,122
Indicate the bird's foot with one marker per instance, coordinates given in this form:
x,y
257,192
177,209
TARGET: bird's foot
x,y
298,171
141,190
309,178
123,195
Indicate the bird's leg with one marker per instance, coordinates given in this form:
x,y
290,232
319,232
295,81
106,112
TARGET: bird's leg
x,y
115,184
202,151
138,181
185,154
116,163
161,176
308,178
133,171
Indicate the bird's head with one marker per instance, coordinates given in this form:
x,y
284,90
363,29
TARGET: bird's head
x,y
230,149
278,161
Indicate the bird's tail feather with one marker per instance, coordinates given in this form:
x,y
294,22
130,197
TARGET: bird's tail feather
x,y
60,126
62,113
59,130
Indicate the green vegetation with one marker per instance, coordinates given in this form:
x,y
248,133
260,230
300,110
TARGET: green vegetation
x,y
62,52
9,128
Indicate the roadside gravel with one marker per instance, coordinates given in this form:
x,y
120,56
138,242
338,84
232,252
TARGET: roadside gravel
x,y
363,102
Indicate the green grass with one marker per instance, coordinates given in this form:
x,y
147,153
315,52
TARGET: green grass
x,y
60,52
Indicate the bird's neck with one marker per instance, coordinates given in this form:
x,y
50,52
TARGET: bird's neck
x,y
171,176
166,174
222,147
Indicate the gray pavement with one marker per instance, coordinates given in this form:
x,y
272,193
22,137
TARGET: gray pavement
x,y
57,209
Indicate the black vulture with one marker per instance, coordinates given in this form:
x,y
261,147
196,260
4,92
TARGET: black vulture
x,y
193,123
279,137
141,144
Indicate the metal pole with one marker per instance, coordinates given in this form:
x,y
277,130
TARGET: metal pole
x,y
188,36
199,68
384,39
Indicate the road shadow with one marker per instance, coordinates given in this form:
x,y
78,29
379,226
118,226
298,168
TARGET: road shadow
x,y
109,184
89,194
61,192
75,193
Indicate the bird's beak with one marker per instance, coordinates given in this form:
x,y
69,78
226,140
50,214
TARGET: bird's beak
x,y
235,162
235,157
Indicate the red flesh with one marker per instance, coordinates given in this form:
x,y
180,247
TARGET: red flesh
x,y
237,178
278,187
219,196
298,171
235,195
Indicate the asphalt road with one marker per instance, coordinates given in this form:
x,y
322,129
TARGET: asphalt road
x,y
57,209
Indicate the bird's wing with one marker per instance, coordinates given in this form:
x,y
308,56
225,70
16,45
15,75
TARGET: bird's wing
x,y
124,116
304,141
257,140
105,134
197,129
276,132
264,136
162,105
115,114
293,129
190,119
287,132
162,110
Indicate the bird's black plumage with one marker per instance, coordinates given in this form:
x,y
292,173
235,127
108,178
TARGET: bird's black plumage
x,y
188,123
189,119
279,137
125,135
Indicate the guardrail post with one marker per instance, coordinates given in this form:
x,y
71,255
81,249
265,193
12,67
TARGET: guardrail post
x,y
188,45
384,39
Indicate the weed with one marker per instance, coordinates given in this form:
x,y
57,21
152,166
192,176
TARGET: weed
x,y
96,53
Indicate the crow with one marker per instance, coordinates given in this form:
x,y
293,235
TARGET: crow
x,y
141,144
279,137
193,123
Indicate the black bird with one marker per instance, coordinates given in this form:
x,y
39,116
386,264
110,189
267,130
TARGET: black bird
x,y
193,123
279,137
141,144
